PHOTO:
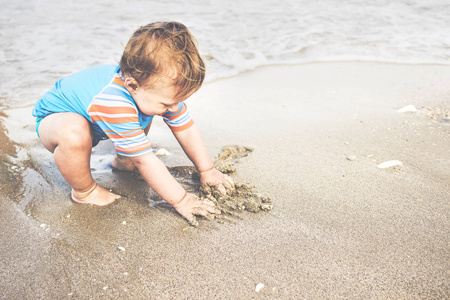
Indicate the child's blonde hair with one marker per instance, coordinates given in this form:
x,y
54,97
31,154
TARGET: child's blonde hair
x,y
164,49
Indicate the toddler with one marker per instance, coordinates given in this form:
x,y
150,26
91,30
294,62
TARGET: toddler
x,y
160,68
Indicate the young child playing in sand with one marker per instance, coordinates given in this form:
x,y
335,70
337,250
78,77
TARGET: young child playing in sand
x,y
160,68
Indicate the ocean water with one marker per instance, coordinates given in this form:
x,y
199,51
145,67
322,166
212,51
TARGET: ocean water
x,y
43,40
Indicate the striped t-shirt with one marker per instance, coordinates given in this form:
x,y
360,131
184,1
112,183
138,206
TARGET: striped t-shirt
x,y
98,93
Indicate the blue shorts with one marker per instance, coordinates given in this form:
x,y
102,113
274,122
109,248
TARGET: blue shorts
x,y
38,122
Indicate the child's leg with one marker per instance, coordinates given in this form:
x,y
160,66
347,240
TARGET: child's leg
x,y
68,137
122,163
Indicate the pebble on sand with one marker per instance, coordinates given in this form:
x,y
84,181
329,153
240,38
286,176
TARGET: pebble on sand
x,y
390,163
121,248
162,152
259,287
351,157
407,108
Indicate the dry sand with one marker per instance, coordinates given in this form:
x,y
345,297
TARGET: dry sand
x,y
340,228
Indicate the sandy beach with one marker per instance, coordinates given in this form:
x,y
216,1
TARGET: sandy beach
x,y
340,228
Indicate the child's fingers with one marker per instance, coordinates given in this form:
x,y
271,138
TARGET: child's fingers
x,y
209,216
227,185
211,186
207,189
221,189
214,210
229,180
192,220
210,207
203,212
208,202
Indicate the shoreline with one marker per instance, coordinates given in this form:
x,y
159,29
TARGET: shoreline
x,y
317,62
339,228
4,106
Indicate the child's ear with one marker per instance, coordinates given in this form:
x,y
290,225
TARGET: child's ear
x,y
131,85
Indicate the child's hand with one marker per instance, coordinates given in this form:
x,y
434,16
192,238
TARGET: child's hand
x,y
220,181
191,205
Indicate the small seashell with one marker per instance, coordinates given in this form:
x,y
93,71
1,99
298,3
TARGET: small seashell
x,y
124,223
259,287
351,157
407,108
390,163
121,248
162,152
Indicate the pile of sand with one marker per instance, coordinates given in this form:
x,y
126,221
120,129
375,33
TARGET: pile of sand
x,y
243,197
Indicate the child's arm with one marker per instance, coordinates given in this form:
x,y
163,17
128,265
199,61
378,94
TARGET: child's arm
x,y
193,145
162,182
124,163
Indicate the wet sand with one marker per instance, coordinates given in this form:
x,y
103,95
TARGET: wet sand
x,y
339,228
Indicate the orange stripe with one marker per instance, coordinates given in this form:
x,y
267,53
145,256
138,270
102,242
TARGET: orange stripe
x,y
112,110
118,81
183,127
134,149
177,113
114,120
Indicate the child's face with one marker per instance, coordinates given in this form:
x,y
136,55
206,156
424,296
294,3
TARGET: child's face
x,y
158,99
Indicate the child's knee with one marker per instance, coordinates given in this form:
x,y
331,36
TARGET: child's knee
x,y
76,133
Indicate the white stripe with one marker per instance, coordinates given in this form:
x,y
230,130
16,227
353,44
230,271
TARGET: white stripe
x,y
107,102
130,139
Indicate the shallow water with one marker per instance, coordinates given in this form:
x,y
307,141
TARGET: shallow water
x,y
40,41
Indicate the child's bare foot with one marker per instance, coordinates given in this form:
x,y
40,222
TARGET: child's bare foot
x,y
122,163
96,195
